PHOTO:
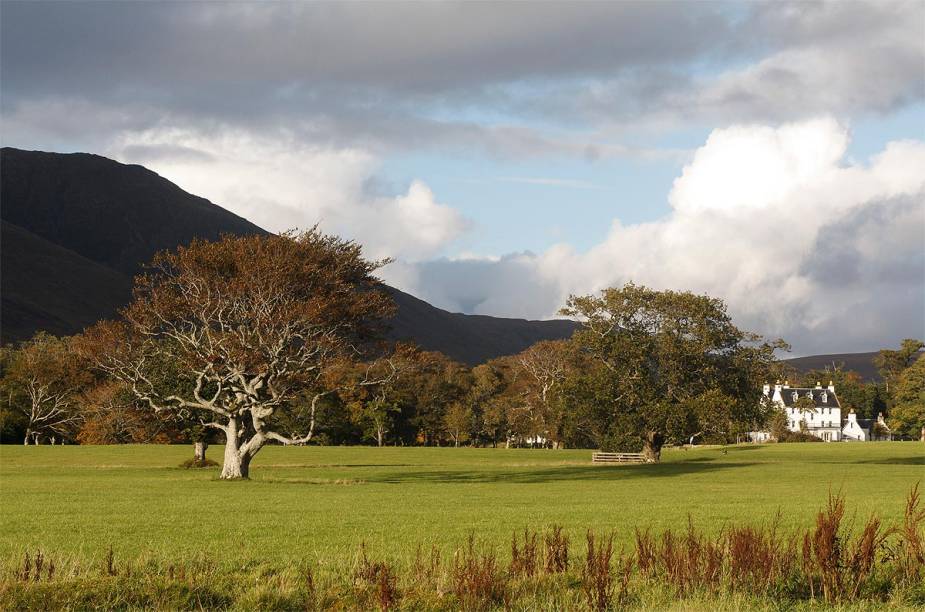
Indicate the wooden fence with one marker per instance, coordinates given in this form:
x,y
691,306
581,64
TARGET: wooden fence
x,y
618,458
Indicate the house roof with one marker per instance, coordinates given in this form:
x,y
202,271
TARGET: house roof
x,y
866,423
786,394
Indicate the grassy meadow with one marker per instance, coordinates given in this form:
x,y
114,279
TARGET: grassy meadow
x,y
316,505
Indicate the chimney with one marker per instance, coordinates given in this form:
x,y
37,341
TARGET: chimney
x,y
831,386
818,385
852,418
777,385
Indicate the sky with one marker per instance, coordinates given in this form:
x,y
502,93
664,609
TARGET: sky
x,y
508,155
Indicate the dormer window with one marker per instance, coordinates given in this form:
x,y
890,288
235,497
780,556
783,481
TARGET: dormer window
x,y
825,397
795,396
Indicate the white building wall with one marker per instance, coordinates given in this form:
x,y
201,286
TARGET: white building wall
x,y
824,422
853,430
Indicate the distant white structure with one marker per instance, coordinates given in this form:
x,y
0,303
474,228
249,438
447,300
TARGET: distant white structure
x,y
865,430
822,420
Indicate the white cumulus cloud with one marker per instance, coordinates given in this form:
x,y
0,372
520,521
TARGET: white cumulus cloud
x,y
280,183
800,243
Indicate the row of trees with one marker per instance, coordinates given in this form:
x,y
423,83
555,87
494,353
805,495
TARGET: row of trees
x,y
278,339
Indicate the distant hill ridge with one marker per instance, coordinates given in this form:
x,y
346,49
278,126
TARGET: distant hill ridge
x,y
76,227
862,363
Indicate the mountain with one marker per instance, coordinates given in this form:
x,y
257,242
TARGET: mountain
x,y
471,339
76,228
862,363
114,214
45,286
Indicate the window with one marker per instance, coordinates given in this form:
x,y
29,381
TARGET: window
x,y
825,397
795,396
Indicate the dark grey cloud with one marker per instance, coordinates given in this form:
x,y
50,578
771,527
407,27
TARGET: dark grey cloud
x,y
385,75
82,48
880,246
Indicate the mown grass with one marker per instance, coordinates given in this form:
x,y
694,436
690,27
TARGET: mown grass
x,y
316,505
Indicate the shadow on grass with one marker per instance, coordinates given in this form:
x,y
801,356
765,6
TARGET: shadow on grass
x,y
336,465
740,448
602,473
895,461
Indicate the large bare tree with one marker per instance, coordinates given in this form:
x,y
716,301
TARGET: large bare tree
x,y
231,332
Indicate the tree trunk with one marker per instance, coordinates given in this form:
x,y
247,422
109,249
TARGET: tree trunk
x,y
235,467
379,436
25,441
199,451
652,446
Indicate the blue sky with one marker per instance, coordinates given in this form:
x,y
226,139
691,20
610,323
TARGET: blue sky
x,y
509,155
530,205
518,204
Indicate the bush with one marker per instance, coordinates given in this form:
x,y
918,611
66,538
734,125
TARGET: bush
x,y
196,463
797,436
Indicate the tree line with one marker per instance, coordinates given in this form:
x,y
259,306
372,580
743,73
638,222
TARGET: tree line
x,y
278,339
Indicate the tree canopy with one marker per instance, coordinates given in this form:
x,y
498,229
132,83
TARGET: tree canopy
x,y
666,365
907,417
243,325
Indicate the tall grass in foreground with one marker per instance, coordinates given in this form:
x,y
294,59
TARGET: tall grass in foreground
x,y
830,564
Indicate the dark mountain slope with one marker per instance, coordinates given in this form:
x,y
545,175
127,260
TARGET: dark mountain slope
x,y
114,214
470,339
45,286
77,226
862,363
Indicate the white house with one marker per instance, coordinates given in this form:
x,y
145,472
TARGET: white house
x,y
823,420
864,430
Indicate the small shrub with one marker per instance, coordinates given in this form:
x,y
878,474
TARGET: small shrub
x,y
824,548
425,570
309,583
476,578
646,551
836,565
758,559
909,554
377,576
523,558
556,544
198,463
386,591
110,565
862,555
797,436
596,577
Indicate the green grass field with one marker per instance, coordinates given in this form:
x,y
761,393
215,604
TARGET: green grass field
x,y
319,504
